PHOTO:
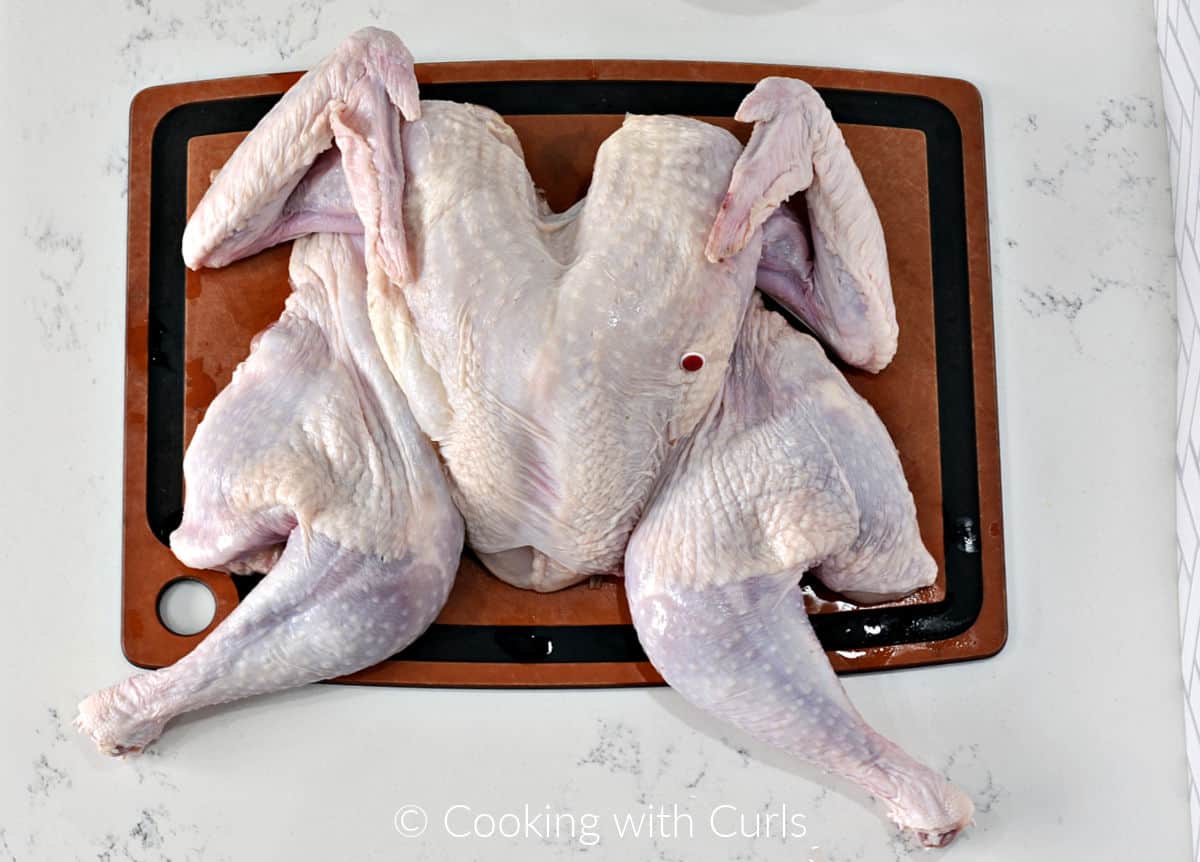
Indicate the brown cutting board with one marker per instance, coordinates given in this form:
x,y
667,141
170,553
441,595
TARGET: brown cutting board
x,y
188,331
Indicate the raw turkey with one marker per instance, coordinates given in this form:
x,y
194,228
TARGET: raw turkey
x,y
457,362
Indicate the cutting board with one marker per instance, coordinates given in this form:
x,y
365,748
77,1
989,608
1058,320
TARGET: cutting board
x,y
919,143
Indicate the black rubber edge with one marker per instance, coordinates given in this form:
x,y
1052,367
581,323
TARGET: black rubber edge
x,y
849,630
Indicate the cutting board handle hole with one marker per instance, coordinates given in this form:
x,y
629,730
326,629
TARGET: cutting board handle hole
x,y
186,606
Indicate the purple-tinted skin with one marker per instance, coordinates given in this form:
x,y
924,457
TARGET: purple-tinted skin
x,y
437,300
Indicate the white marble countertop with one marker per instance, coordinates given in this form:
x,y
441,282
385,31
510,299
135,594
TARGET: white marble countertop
x,y
1071,740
